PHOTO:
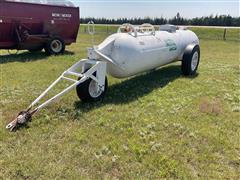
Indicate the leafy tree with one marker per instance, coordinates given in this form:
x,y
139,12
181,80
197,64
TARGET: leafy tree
x,y
218,20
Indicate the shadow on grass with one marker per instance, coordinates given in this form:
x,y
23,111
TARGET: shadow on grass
x,y
26,57
136,87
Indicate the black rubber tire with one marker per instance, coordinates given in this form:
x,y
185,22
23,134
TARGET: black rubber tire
x,y
187,60
83,91
48,46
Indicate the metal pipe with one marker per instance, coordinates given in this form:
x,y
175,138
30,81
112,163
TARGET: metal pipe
x,y
46,91
61,93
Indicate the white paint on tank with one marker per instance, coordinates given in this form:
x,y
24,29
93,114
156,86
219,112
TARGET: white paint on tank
x,y
135,53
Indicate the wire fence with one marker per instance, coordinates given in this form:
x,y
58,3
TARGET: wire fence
x,y
203,32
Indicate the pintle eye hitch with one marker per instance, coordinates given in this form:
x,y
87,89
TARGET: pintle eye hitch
x,y
21,120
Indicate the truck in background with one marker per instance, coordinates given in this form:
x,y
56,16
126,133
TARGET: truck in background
x,y
38,25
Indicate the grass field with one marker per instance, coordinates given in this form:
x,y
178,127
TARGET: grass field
x,y
152,126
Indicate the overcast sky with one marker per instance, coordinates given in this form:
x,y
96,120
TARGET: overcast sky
x,y
156,8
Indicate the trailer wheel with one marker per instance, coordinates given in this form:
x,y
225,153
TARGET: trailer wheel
x,y
191,60
88,91
55,46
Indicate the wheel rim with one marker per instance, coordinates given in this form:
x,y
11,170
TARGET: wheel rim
x,y
56,46
195,59
94,89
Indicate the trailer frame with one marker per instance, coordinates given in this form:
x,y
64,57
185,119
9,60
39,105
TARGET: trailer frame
x,y
82,70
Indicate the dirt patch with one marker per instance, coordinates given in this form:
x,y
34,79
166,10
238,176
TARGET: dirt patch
x,y
236,67
209,106
114,173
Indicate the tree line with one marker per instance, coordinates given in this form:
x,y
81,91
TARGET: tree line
x,y
218,20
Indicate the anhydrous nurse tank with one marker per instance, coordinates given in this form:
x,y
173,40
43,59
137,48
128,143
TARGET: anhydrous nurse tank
x,y
130,51
137,49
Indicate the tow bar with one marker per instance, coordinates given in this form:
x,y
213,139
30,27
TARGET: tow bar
x,y
82,71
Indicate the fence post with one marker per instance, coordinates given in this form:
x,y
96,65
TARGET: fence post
x,y
224,34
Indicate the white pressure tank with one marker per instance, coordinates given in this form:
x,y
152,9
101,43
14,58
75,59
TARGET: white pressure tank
x,y
137,49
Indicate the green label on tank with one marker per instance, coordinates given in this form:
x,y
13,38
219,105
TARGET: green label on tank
x,y
171,44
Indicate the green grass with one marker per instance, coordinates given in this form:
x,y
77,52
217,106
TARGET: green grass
x,y
155,125
217,34
203,33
